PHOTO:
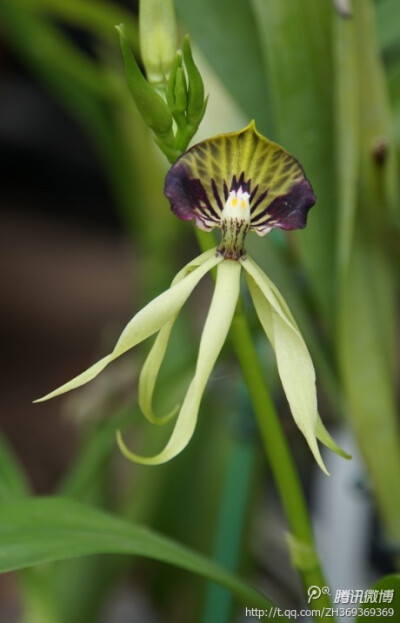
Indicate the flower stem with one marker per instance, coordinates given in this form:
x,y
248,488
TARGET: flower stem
x,y
301,542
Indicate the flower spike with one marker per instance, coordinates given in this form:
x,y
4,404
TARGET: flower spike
x,y
237,182
215,330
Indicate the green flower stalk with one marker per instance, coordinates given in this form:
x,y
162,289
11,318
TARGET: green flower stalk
x,y
237,182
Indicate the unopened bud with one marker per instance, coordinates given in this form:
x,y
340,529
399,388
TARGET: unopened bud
x,y
158,38
151,106
180,91
196,103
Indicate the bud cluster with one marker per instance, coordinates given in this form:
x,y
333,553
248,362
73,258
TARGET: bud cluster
x,y
171,99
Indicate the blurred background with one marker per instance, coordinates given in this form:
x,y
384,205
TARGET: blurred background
x,y
87,237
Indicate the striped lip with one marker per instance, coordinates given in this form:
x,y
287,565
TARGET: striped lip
x,y
201,182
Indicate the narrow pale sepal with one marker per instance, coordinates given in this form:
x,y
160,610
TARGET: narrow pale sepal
x,y
144,324
294,363
152,365
324,437
215,330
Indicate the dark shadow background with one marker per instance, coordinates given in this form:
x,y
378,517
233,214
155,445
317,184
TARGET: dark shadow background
x,y
65,266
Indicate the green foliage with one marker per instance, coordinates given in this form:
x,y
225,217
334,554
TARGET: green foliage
x,y
298,72
388,583
43,530
366,299
13,484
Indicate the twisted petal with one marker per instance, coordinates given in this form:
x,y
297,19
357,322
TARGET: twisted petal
x,y
146,322
199,182
295,367
325,438
279,302
152,365
213,337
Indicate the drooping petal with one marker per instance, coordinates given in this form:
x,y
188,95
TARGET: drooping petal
x,y
295,367
215,330
152,365
199,183
146,322
324,437
280,304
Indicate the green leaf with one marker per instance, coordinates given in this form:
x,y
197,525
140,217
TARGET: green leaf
x,y
347,134
366,336
296,39
99,17
43,530
365,326
13,484
388,24
96,449
388,583
50,52
379,187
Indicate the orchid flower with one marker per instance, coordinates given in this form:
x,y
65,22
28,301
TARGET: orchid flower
x,y
237,182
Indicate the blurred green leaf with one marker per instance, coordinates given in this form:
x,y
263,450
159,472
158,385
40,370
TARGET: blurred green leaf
x,y
99,17
388,23
366,320
82,86
297,45
234,504
43,45
96,448
366,338
48,529
13,483
388,583
225,31
379,184
347,134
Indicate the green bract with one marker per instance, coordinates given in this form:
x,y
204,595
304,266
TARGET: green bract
x,y
237,182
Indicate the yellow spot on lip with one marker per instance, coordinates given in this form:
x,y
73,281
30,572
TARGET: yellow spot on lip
x,y
234,202
242,204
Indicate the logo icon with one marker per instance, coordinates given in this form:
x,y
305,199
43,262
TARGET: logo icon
x,y
314,592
